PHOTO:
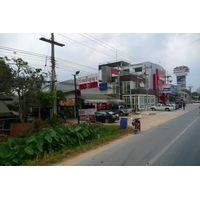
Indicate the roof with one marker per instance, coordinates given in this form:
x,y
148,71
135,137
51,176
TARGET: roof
x,y
115,64
5,98
3,108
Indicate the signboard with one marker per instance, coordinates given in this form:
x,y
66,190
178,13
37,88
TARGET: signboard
x,y
67,102
87,82
103,86
181,82
87,115
182,70
142,84
167,89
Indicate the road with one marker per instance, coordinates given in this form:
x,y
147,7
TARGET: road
x,y
173,143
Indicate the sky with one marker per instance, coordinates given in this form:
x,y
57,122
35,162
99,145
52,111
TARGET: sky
x,y
85,51
166,33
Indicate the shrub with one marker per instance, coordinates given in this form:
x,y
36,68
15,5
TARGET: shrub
x,y
49,140
54,120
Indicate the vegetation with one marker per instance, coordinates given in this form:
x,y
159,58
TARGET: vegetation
x,y
47,139
19,78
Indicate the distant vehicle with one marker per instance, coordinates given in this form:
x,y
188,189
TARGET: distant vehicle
x,y
121,110
106,116
176,106
162,107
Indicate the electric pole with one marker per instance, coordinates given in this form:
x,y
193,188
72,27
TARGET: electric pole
x,y
53,76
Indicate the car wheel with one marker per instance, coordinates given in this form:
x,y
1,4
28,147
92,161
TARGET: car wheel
x,y
167,109
121,114
107,120
153,109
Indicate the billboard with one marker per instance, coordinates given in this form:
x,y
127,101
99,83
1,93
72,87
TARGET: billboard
x,y
182,70
181,82
167,89
87,115
87,82
67,102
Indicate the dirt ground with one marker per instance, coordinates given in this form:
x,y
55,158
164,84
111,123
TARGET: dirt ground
x,y
149,119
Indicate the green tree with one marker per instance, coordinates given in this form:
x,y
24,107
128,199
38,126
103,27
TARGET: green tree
x,y
6,76
27,82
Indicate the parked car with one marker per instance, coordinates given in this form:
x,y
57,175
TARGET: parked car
x,y
121,110
106,116
162,107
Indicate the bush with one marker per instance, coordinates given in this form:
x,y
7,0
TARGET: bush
x,y
49,140
54,120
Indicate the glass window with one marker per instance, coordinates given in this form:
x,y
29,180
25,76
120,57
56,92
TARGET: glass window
x,y
126,87
138,69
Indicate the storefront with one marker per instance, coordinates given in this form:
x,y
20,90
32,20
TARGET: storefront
x,y
141,101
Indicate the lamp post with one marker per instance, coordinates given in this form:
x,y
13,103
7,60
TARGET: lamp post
x,y
76,96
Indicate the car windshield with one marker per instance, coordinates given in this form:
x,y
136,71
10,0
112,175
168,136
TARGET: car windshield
x,y
112,113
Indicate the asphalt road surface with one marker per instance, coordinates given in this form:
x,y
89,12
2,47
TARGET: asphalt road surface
x,y
174,143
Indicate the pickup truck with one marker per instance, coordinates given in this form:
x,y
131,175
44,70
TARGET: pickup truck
x,y
163,107
121,110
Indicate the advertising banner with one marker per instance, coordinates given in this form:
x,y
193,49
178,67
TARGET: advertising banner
x,y
182,70
181,82
167,89
87,82
67,102
87,115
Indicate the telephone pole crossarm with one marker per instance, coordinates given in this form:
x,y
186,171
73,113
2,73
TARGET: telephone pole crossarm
x,y
52,42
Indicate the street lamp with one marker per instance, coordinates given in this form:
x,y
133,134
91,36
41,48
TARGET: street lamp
x,y
76,96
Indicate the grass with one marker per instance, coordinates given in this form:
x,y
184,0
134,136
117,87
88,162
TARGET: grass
x,y
114,133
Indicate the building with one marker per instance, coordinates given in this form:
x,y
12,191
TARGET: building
x,y
120,82
140,85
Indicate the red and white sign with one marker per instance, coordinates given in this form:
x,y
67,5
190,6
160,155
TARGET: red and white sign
x,y
87,115
115,71
87,82
182,70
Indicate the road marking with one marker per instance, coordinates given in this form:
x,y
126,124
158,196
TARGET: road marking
x,y
169,145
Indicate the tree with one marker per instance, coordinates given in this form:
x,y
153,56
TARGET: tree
x,y
27,82
5,77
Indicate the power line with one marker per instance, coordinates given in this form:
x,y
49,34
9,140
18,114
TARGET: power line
x,y
85,45
109,47
43,56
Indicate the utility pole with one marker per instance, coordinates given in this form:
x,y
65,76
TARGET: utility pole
x,y
53,76
147,85
190,89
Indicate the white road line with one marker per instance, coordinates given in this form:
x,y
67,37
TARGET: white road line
x,y
170,144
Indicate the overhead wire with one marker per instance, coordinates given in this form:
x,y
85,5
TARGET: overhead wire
x,y
30,54
85,45
98,41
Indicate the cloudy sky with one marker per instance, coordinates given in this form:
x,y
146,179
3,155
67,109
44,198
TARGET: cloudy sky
x,y
93,33
85,51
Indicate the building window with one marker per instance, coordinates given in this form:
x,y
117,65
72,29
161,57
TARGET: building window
x,y
126,89
126,71
138,69
115,87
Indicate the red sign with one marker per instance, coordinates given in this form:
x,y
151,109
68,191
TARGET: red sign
x,y
87,115
88,82
159,81
87,118
115,71
88,85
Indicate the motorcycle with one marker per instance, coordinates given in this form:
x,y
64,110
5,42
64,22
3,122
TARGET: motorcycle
x,y
136,125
